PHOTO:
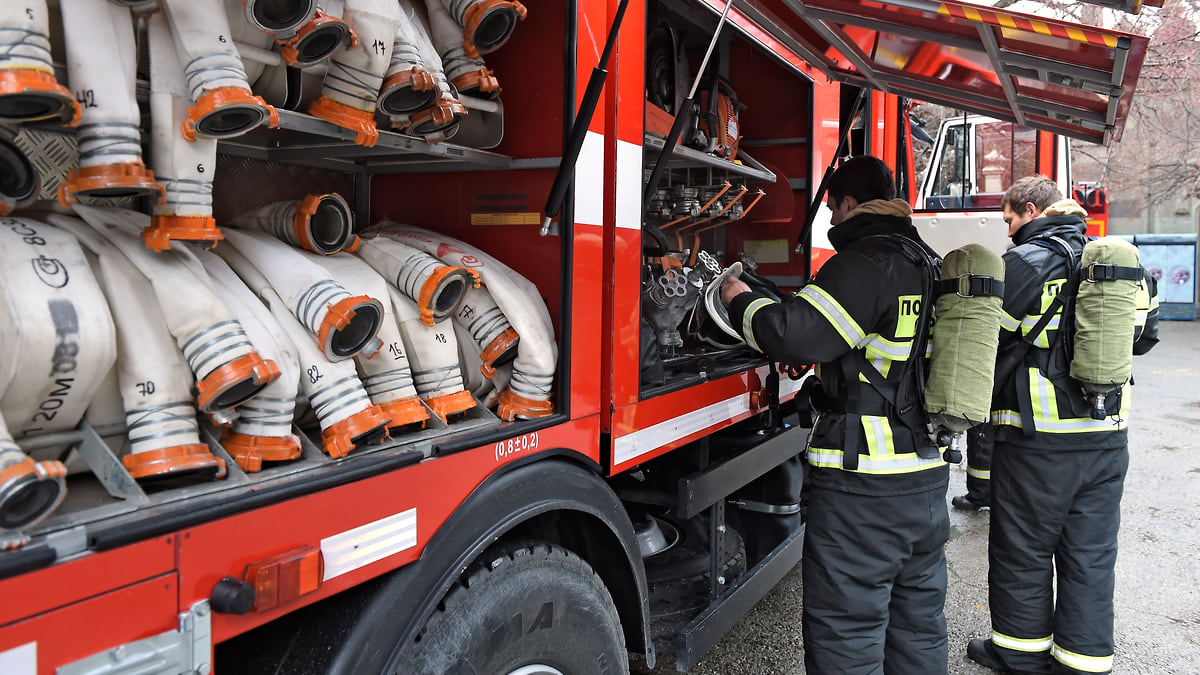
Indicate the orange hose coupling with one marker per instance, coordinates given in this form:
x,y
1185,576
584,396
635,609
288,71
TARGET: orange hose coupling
x,y
290,49
128,178
475,14
454,403
251,451
235,382
368,426
164,228
405,412
340,314
223,97
417,78
174,460
513,406
503,344
362,122
56,100
441,114
482,80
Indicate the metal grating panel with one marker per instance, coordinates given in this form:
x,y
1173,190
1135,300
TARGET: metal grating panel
x,y
243,184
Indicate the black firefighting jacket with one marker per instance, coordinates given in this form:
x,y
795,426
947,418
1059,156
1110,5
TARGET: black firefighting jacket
x,y
860,311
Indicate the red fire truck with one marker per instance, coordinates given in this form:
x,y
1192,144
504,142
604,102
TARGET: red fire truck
x,y
656,497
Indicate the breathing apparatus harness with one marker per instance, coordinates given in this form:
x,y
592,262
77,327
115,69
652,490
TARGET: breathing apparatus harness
x,y
904,398
1064,339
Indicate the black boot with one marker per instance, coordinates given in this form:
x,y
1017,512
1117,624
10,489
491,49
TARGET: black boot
x,y
981,651
968,503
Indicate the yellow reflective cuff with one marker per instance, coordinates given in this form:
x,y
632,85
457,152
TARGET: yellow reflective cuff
x,y
748,321
877,345
979,473
1083,662
837,316
1031,645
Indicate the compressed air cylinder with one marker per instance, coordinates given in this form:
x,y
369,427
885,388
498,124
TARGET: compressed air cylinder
x,y
966,332
28,90
185,169
1105,315
356,74
385,372
102,69
321,223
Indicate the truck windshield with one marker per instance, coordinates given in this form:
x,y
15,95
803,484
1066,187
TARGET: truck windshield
x,y
975,160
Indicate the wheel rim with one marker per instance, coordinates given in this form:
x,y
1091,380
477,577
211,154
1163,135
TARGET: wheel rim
x,y
536,669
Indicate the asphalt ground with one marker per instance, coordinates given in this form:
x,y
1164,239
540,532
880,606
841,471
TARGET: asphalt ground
x,y
1157,598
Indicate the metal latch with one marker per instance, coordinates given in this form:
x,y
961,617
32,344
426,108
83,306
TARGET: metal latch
x,y
187,650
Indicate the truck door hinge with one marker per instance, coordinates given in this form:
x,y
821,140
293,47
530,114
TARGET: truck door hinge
x,y
187,650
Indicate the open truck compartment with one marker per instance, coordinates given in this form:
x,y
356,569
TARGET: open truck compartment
x,y
431,193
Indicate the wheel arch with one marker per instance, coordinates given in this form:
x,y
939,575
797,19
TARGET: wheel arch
x,y
551,496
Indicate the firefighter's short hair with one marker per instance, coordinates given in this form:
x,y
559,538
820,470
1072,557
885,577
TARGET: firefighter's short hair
x,y
1039,190
865,178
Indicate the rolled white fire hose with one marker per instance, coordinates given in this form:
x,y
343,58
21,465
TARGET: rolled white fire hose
x,y
347,417
433,357
356,74
216,77
227,368
319,39
155,380
28,90
110,143
252,40
185,169
29,491
417,95
486,389
497,340
321,223
469,74
486,24
263,428
437,288
58,336
534,367
385,374
342,325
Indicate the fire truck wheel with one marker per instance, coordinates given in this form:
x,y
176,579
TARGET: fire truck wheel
x,y
524,608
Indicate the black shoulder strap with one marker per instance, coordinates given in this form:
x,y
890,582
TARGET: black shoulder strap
x,y
911,413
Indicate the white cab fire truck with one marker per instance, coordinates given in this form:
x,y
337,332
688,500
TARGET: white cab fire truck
x,y
628,515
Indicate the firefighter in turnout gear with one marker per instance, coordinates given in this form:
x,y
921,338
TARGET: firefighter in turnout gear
x,y
874,567
1057,472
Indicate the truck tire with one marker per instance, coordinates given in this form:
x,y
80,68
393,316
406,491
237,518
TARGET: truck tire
x,y
527,608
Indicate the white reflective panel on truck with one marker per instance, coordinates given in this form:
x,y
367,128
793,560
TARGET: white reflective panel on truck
x,y
640,442
19,660
363,545
589,180
629,185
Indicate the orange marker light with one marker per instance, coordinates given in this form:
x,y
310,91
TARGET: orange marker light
x,y
285,577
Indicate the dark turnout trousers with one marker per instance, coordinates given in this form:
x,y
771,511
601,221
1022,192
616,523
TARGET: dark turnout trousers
x,y
1054,508
979,463
875,583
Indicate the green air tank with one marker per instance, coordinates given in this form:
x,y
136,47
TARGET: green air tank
x,y
1105,315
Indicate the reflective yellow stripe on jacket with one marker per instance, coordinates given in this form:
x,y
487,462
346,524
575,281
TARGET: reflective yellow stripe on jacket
x,y
1046,419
